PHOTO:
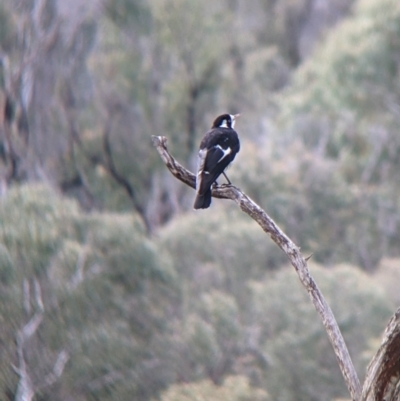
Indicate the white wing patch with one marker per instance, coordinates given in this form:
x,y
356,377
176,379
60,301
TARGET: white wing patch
x,y
225,152
202,161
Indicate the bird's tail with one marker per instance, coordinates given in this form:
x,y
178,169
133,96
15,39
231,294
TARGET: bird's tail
x,y
203,201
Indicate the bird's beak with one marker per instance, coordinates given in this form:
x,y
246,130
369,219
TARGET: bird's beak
x,y
234,117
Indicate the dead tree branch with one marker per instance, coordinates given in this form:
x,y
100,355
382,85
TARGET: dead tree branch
x,y
58,369
26,389
383,374
291,250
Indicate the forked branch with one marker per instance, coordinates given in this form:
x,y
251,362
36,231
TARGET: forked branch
x,y
291,250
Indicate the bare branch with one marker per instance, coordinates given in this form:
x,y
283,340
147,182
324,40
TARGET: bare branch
x,y
78,277
62,359
31,327
58,369
108,163
27,296
291,250
38,295
112,168
25,390
119,178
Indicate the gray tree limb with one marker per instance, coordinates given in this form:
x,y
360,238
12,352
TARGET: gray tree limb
x,y
291,250
57,371
382,381
26,389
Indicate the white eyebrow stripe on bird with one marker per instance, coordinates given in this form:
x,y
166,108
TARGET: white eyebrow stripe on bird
x,y
225,152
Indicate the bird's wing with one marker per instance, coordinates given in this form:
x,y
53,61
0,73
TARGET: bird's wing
x,y
215,156
212,162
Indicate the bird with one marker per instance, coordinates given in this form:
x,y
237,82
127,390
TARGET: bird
x,y
218,148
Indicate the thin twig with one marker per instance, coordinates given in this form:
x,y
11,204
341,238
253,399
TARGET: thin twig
x,y
291,250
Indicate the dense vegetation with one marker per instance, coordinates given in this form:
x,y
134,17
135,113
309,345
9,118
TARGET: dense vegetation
x,y
111,286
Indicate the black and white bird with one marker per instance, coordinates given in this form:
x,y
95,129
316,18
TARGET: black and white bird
x,y
218,148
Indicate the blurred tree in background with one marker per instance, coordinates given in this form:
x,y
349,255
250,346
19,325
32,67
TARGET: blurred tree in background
x,y
343,106
127,325
111,288
103,290
304,360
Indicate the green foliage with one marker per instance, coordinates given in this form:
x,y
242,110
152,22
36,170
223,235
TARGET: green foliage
x,y
266,71
211,334
234,388
223,314
192,61
342,107
388,275
293,339
309,197
32,236
129,13
355,68
283,25
227,247
202,346
348,91
104,289
133,327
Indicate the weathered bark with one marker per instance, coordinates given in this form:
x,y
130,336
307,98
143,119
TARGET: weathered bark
x,y
291,250
383,374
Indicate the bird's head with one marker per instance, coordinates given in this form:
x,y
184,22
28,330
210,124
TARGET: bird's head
x,y
225,121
